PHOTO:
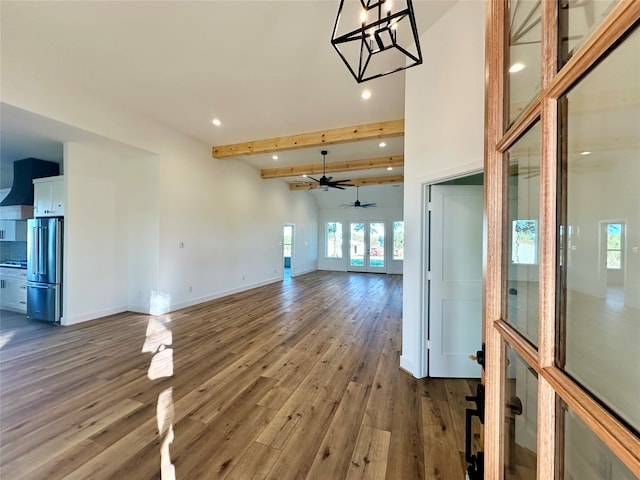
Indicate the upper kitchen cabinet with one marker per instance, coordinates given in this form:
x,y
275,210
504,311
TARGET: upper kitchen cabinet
x,y
48,196
13,230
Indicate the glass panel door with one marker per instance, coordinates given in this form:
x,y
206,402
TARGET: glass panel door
x,y
376,261
367,247
357,247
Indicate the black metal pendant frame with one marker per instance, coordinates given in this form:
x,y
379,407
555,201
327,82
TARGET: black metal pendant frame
x,y
377,37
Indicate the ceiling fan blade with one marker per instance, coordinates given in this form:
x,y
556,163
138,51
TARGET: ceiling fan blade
x,y
342,183
365,205
314,179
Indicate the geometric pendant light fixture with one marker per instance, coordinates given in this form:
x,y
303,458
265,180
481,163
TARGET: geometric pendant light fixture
x,y
376,37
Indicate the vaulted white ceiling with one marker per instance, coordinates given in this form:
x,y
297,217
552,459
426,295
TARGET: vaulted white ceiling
x,y
265,68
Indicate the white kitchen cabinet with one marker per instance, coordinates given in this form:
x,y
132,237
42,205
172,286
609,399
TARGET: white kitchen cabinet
x,y
48,196
13,289
13,230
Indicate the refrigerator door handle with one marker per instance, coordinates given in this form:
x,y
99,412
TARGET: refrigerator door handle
x,y
34,251
42,265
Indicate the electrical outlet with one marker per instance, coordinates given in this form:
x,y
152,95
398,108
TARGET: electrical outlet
x,y
242,277
190,289
181,245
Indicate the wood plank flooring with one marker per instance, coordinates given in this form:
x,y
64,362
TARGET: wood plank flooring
x,y
293,380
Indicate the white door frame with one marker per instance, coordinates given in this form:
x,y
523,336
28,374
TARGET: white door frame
x,y
423,329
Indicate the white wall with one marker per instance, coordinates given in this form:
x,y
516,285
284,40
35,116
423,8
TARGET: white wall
x,y
97,226
603,188
126,215
444,135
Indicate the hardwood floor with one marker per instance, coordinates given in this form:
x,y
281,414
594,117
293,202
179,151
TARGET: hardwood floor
x,y
294,380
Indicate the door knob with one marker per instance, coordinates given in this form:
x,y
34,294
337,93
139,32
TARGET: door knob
x,y
479,356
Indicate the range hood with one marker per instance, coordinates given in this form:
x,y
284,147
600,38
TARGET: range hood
x,y
18,204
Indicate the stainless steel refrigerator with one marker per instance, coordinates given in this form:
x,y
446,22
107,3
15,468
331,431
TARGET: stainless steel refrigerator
x,y
44,269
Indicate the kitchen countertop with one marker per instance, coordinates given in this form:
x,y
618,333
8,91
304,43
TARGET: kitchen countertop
x,y
14,265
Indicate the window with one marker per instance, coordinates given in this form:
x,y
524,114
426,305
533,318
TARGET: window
x,y
614,246
333,240
398,240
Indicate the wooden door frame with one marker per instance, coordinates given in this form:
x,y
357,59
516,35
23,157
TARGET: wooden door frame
x,y
553,383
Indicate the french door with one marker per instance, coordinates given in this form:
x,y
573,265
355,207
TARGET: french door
x,y
562,376
367,247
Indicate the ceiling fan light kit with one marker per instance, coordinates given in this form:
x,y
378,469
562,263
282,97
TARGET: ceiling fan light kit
x,y
325,181
376,37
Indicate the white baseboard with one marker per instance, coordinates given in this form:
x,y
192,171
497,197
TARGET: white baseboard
x,y
85,317
224,293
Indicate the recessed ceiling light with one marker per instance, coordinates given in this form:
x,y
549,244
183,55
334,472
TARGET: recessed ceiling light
x,y
275,157
216,122
516,67
389,168
304,175
366,94
382,144
585,153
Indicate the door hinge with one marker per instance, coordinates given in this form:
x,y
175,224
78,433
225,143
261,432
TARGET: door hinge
x,y
429,275
429,206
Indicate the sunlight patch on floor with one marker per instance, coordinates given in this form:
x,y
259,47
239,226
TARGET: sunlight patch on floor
x,y
158,340
5,337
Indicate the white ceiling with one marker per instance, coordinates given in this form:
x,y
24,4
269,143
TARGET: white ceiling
x,y
265,68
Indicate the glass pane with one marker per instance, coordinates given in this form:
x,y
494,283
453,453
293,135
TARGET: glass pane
x,y
376,244
614,235
599,337
288,240
586,456
398,240
524,71
521,396
334,239
356,245
523,193
577,21
614,260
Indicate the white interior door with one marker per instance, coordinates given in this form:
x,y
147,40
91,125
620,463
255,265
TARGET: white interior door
x,y
455,284
367,250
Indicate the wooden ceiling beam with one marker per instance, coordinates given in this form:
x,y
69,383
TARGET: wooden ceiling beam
x,y
393,128
358,182
316,168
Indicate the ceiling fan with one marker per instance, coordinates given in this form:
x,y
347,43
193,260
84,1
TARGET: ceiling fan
x,y
325,181
357,203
